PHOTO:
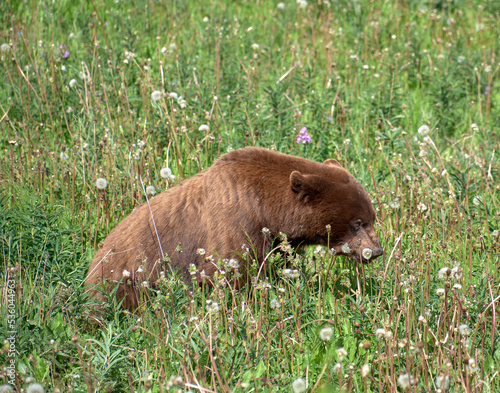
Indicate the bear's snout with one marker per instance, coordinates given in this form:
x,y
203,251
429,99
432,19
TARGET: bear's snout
x,y
377,252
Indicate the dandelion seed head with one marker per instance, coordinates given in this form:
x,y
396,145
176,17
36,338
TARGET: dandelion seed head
x,y
275,304
299,385
464,330
456,273
443,273
337,368
5,47
341,353
367,253
173,46
151,190
365,370
380,333
156,95
346,249
166,173
423,130
35,388
203,128
406,380
440,291
281,6
442,382
326,333
471,365
126,273
173,95
232,264
421,207
72,83
101,183
212,307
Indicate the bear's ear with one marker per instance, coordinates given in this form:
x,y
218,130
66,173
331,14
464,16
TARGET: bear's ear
x,y
333,162
302,185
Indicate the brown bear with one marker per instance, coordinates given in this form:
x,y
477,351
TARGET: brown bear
x,y
212,215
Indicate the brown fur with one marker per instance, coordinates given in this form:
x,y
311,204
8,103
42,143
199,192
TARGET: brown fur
x,y
227,206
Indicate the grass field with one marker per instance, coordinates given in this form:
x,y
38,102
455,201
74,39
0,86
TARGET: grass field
x,y
403,93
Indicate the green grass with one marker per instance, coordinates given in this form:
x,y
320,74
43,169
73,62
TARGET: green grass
x,y
363,76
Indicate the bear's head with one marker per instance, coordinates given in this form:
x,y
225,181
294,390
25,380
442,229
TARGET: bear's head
x,y
337,212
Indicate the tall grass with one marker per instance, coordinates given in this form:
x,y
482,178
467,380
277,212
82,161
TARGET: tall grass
x,y
76,103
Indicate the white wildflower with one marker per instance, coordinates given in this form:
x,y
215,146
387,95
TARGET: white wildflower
x,y
281,6
474,127
440,291
126,273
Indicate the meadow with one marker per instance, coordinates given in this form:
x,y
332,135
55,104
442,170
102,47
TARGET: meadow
x,y
402,93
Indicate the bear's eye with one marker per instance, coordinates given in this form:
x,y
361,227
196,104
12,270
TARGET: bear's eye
x,y
357,225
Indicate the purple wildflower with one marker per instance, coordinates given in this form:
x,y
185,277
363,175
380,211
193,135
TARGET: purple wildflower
x,y
487,90
66,54
303,136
